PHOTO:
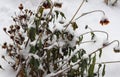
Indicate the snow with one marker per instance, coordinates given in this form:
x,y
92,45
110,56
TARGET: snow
x,y
8,9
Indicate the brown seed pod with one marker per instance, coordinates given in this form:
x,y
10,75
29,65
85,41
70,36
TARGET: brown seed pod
x,y
10,32
12,37
4,47
47,5
17,27
20,7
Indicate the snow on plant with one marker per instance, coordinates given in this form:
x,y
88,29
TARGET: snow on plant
x,y
41,48
111,2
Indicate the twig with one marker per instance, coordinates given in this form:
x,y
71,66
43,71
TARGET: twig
x,y
96,31
47,21
74,54
67,68
66,26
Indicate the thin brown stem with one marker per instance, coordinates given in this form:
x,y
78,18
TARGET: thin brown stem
x,y
67,59
67,68
66,26
48,16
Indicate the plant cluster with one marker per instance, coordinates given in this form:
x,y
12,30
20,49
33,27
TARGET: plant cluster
x,y
40,49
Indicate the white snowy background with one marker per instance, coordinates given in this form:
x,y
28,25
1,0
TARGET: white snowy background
x,y
9,7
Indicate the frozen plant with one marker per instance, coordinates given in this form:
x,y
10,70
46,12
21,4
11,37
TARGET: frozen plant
x,y
40,49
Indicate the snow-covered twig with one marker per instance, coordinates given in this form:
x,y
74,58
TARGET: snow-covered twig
x,y
66,26
90,13
108,62
105,46
96,31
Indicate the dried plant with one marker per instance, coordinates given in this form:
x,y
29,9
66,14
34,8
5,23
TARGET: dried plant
x,y
40,49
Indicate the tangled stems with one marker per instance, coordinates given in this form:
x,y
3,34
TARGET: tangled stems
x,y
60,71
118,43
65,69
69,58
90,13
84,42
76,52
66,26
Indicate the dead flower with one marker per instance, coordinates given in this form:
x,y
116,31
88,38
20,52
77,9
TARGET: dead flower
x,y
104,21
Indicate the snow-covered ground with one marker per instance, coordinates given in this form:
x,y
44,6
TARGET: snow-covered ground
x,y
9,7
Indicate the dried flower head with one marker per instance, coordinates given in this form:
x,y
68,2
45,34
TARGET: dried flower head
x,y
17,27
22,17
10,32
20,7
5,29
58,4
11,27
12,37
47,4
104,21
116,49
4,45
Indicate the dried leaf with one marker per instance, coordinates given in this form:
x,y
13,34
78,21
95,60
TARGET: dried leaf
x,y
62,14
74,25
100,50
103,71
